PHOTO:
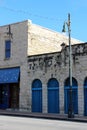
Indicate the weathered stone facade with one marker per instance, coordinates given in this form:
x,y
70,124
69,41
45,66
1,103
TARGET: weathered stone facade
x,y
18,35
56,65
43,54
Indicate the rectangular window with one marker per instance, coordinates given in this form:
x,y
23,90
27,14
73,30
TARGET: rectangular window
x,y
7,49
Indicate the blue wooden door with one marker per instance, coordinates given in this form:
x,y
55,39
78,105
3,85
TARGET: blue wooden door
x,y
74,96
53,96
66,100
74,100
85,101
37,96
85,97
4,96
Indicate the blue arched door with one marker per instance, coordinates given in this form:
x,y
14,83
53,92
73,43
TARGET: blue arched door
x,y
85,97
53,96
37,96
74,95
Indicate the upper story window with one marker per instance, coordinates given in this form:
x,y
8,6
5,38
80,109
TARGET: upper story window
x,y
7,49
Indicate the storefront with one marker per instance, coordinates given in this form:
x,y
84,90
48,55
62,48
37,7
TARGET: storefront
x,y
9,88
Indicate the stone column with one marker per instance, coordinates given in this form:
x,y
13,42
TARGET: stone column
x,y
44,97
61,97
80,98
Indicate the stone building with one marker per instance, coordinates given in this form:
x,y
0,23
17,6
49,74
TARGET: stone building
x,y
50,80
34,70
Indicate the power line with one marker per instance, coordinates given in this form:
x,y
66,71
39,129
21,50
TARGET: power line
x,y
28,13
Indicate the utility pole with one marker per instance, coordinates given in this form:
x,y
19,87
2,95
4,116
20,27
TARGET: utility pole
x,y
70,109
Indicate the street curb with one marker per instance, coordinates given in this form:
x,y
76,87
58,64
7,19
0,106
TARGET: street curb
x,y
42,116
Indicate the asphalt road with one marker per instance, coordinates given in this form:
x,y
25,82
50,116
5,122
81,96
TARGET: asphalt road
x,y
20,123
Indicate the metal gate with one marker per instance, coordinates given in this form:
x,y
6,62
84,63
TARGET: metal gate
x,y
37,96
53,96
74,95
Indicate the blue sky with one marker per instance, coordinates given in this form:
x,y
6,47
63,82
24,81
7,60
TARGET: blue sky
x,y
47,13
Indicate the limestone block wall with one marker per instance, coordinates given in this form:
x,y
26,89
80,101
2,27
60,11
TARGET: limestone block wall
x,y
45,67
37,51
18,34
18,39
56,65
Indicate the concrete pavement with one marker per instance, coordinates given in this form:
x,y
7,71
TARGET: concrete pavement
x,y
22,123
42,115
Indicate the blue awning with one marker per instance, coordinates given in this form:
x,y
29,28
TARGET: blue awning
x,y
9,75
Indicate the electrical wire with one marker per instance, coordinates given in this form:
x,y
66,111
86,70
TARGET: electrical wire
x,y
31,14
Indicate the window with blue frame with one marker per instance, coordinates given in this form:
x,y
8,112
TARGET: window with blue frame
x,y
7,49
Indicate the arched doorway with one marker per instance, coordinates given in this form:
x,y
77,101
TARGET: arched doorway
x,y
74,95
53,96
85,97
36,96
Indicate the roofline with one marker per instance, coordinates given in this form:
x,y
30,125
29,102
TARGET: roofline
x,y
14,23
44,54
54,52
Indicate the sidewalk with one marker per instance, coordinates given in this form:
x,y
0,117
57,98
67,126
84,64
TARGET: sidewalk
x,y
42,115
